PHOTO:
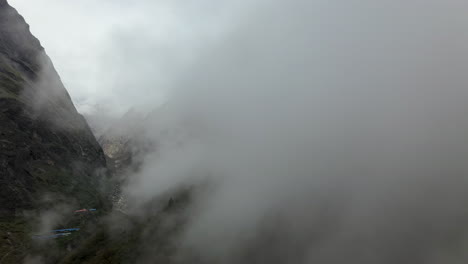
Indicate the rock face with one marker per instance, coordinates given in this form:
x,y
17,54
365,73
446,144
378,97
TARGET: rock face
x,y
46,146
124,145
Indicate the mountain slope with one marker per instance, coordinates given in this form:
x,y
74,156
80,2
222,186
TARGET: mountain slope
x,y
48,153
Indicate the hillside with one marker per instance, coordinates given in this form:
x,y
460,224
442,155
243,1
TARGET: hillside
x,y
48,154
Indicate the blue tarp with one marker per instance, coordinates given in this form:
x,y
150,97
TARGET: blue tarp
x,y
60,232
66,230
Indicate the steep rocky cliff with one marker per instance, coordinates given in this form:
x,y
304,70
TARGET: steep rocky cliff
x,y
46,147
49,156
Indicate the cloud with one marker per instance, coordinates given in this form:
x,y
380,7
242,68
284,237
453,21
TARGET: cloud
x,y
334,132
118,54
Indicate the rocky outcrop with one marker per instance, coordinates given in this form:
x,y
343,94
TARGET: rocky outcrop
x,y
124,144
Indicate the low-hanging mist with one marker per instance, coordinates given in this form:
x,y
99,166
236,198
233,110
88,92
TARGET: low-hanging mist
x,y
334,132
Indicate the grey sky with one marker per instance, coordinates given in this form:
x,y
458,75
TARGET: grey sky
x,y
120,54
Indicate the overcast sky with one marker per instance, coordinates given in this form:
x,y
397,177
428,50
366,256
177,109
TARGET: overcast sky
x,y
119,54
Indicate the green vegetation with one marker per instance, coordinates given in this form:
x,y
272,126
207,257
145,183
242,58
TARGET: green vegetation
x,y
104,248
14,239
11,81
129,239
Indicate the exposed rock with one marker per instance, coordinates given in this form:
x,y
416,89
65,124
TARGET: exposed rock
x,y
124,143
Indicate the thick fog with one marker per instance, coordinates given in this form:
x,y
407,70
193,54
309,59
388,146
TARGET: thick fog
x,y
336,132
332,131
